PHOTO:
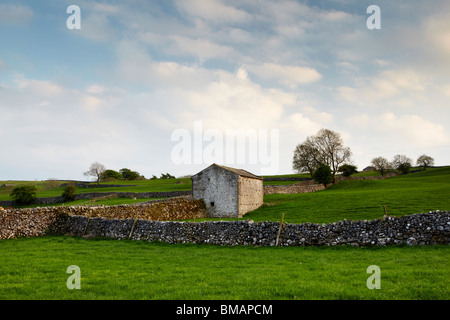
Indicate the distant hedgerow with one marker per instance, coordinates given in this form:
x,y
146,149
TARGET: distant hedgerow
x,y
23,195
69,192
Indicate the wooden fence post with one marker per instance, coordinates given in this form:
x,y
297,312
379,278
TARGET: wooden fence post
x,y
279,230
87,223
132,228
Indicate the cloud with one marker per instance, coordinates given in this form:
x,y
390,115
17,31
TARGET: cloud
x,y
414,130
57,130
389,84
288,75
437,32
225,101
213,11
15,14
405,131
202,49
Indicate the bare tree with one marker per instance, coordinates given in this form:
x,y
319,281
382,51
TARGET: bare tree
x,y
402,163
381,164
305,159
96,170
326,147
51,183
425,161
400,159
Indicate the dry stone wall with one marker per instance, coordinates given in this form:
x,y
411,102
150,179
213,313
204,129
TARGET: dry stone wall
x,y
311,185
39,221
302,187
417,229
91,195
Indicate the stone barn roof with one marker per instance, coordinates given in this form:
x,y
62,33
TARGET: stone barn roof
x,y
240,172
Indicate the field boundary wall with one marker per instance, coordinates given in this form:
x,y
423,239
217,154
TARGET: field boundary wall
x,y
134,222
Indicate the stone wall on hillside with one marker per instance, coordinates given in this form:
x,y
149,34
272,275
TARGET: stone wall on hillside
x,y
92,195
38,221
311,185
301,187
123,222
418,229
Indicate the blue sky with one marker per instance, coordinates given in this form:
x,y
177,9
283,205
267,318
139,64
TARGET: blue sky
x,y
116,90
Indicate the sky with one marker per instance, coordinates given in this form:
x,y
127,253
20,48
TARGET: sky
x,y
173,86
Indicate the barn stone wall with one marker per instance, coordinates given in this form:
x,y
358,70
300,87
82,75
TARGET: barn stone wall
x,y
251,193
219,190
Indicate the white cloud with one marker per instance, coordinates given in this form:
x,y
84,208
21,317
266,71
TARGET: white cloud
x,y
446,90
389,84
233,101
203,49
288,75
437,31
321,117
301,125
405,131
414,130
213,10
15,14
40,87
96,89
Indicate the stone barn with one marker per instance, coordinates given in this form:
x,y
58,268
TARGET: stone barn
x,y
228,192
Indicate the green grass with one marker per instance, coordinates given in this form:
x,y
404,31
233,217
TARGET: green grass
x,y
362,199
162,185
352,200
95,202
35,268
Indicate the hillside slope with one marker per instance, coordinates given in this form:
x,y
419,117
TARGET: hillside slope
x,y
362,199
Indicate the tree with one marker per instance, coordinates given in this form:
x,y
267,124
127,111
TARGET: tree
x,y
323,175
347,170
167,176
23,195
96,170
404,167
326,147
304,160
128,174
402,163
51,183
69,192
424,161
381,164
109,175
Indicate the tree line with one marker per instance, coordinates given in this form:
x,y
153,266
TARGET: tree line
x,y
400,162
101,174
323,155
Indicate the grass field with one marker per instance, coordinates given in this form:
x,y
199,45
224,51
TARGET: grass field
x,y
354,199
110,269
362,199
139,186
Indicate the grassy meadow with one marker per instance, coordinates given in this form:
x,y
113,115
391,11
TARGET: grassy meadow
x,y
44,190
362,199
35,268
